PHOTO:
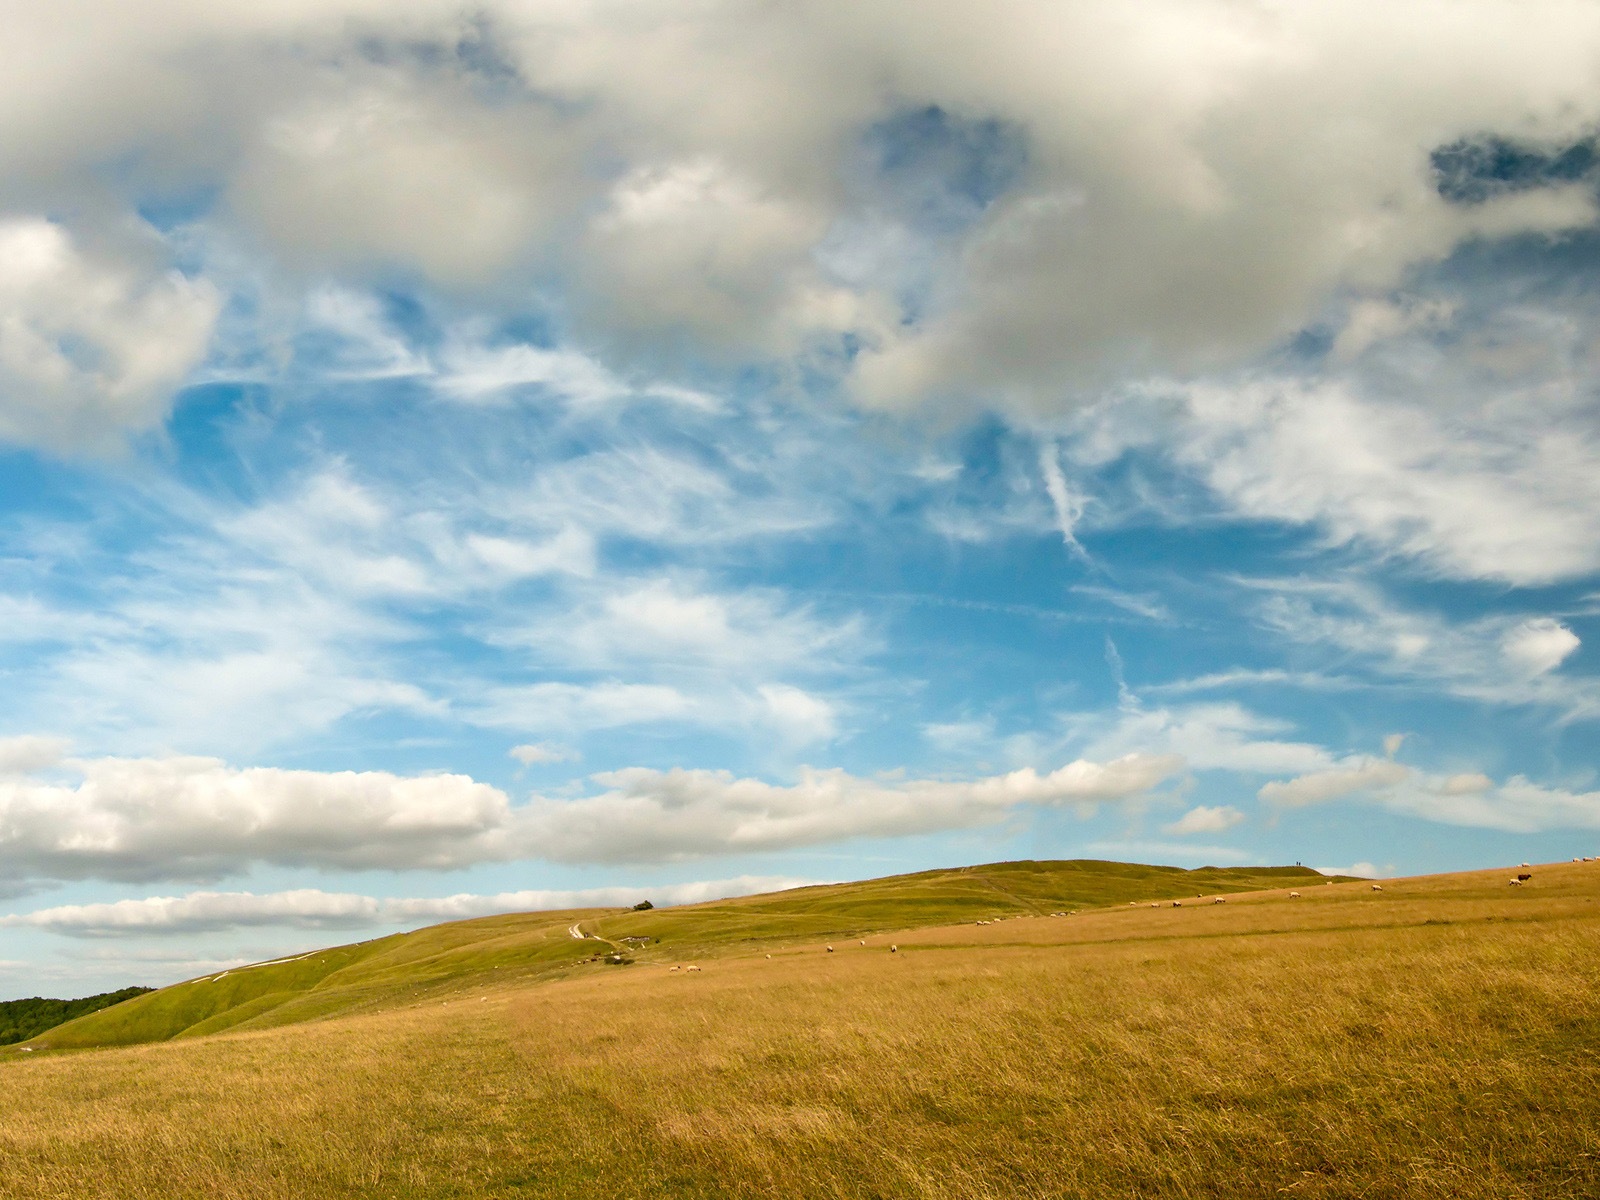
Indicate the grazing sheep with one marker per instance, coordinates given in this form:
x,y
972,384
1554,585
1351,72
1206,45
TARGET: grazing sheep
x,y
675,968
894,949
1524,877
1154,904
863,941
1220,900
1377,887
1294,895
769,956
691,968
1514,882
1177,904
830,949
1524,864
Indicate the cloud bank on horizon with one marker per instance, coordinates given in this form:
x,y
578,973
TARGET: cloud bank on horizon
x,y
522,452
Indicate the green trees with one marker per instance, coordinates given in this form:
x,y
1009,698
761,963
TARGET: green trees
x,y
24,1019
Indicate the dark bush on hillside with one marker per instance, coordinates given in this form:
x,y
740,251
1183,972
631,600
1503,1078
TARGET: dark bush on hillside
x,y
642,906
24,1019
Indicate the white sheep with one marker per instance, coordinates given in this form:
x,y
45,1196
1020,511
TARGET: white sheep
x,y
1177,904
1377,887
1515,882
1220,900
894,949
691,968
830,949
863,941
1294,895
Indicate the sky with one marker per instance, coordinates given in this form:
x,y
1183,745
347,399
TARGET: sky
x,y
458,459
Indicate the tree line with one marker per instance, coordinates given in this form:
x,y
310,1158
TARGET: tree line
x,y
24,1019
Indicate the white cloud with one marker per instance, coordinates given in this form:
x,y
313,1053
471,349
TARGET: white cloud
x,y
1197,179
1466,486
196,818
27,753
92,342
647,815
1202,819
669,622
1208,737
1354,621
1468,799
802,718
1539,645
304,908
540,753
1318,787
311,908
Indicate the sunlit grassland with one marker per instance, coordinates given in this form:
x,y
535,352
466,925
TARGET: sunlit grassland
x,y
1440,1038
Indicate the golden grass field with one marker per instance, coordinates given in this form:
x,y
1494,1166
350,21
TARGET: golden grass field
x,y
1438,1038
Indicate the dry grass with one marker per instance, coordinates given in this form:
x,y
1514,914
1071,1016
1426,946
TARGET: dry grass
x,y
1439,1039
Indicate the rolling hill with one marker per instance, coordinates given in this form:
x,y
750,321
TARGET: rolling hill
x,y
533,946
1437,1038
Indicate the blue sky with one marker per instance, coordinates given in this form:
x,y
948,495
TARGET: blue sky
x,y
458,460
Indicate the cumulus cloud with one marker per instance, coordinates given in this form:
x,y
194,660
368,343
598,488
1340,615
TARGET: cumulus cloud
x,y
1202,819
27,753
312,908
647,815
197,818
92,342
1095,189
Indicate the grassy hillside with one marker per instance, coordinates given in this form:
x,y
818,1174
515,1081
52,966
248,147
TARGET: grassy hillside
x,y
526,947
1440,1038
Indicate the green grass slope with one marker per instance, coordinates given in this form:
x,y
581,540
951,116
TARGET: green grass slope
x,y
407,967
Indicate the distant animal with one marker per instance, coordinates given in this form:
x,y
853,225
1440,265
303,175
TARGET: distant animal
x,y
1524,877
830,949
1515,882
1177,904
1524,864
1377,887
691,968
675,968
769,956
894,949
863,941
1220,900
1153,904
1294,895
